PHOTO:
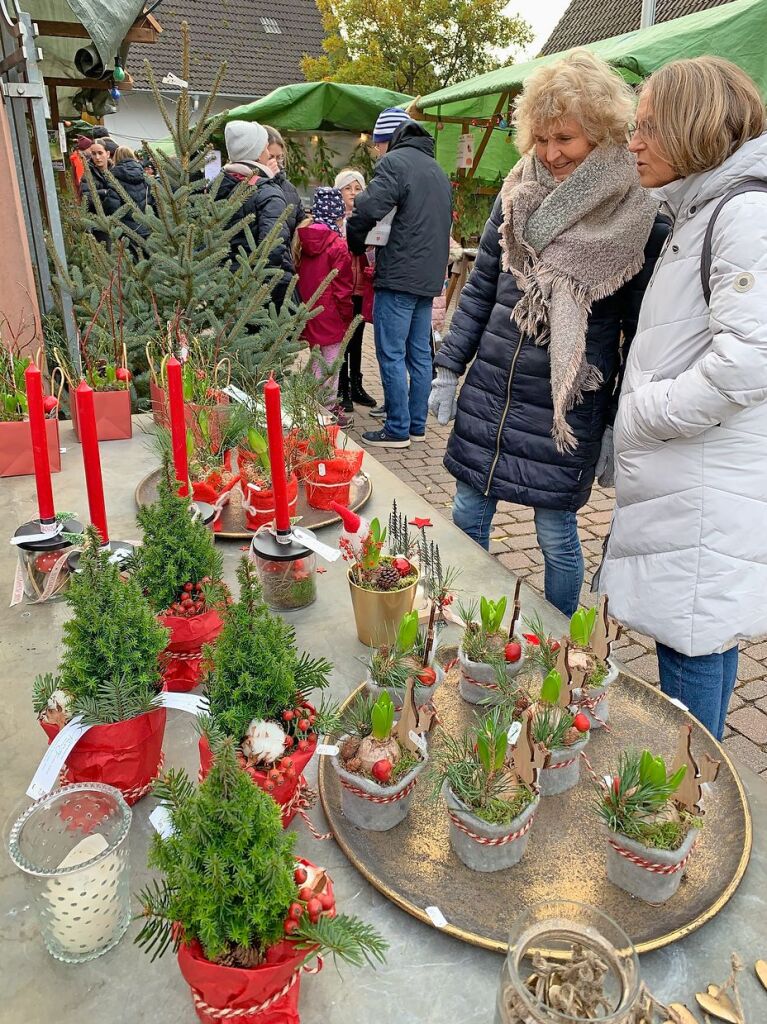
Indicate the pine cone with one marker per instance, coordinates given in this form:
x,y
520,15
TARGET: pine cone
x,y
355,765
350,747
387,578
572,736
521,705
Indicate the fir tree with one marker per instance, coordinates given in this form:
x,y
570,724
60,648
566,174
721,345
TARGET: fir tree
x,y
109,666
176,262
257,670
177,549
229,875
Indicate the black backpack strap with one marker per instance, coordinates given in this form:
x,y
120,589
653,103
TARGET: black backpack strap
x,y
751,185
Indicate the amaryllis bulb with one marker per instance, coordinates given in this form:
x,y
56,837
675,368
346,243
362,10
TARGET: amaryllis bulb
x,y
264,741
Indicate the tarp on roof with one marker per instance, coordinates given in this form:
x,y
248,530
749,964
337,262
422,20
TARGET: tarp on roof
x,y
736,31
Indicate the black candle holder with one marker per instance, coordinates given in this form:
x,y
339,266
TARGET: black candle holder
x,y
123,548
286,568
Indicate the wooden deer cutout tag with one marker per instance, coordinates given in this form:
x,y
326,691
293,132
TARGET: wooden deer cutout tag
x,y
517,608
410,721
606,631
566,673
528,756
689,793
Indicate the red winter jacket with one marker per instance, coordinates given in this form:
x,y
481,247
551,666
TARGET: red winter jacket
x,y
322,250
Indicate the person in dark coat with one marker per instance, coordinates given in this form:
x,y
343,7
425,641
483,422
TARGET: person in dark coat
x,y
276,150
99,162
249,160
409,269
547,315
130,174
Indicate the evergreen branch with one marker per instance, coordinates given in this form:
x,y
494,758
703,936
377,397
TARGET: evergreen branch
x,y
346,938
157,932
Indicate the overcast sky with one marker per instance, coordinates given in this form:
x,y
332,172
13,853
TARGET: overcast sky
x,y
542,15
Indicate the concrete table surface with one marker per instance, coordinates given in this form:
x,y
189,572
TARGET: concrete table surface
x,y
428,977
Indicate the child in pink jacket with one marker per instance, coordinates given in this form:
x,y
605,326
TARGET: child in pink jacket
x,y
322,249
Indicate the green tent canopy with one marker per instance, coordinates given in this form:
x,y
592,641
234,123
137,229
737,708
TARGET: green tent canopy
x,y
735,31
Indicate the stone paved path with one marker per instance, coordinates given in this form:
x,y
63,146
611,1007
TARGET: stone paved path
x,y
514,543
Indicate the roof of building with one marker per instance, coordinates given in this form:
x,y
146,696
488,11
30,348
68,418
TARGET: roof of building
x,y
586,21
262,43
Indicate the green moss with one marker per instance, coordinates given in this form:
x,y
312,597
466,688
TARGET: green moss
x,y
666,835
406,764
598,676
502,812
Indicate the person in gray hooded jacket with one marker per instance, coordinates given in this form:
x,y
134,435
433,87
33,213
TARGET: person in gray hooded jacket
x,y
686,560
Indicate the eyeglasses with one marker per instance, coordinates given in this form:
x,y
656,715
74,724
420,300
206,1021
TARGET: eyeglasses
x,y
645,129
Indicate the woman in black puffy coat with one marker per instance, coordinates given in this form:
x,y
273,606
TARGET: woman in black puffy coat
x,y
130,174
555,293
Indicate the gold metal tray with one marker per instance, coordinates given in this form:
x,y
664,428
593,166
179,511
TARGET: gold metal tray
x,y
415,867
233,518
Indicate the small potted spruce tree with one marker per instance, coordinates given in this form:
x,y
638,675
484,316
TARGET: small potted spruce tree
x,y
587,660
378,763
411,655
258,690
563,733
243,914
491,798
488,656
110,675
179,570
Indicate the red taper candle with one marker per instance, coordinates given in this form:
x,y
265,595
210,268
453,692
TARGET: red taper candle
x,y
177,424
86,420
277,455
34,382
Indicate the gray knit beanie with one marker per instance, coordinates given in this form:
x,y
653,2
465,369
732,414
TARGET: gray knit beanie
x,y
245,140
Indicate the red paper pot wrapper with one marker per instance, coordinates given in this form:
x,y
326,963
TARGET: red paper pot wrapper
x,y
113,418
282,794
182,657
329,480
125,755
16,448
258,505
215,491
218,412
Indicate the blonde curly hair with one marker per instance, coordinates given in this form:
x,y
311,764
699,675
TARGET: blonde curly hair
x,y
581,87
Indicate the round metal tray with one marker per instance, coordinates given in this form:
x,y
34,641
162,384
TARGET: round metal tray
x,y
415,867
233,518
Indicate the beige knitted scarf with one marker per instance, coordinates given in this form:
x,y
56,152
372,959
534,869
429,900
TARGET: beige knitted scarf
x,y
569,245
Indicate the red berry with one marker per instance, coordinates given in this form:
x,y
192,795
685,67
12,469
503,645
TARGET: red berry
x,y
122,374
512,651
296,910
314,908
303,745
289,741
312,719
290,927
189,587
275,776
554,646
303,725
327,901
382,770
300,875
306,894
427,676
269,787
403,567
288,716
616,785
581,722
50,402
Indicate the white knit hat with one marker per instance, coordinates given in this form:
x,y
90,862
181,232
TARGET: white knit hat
x,y
245,140
347,176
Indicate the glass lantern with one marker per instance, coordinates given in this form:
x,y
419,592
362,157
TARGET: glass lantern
x,y
73,847
546,944
43,562
287,571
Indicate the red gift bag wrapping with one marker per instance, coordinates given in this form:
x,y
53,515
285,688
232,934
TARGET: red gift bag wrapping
x,y
258,505
281,794
125,755
182,657
16,457
113,416
332,483
214,491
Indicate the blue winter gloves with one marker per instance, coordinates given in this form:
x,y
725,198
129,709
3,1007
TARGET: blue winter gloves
x,y
442,400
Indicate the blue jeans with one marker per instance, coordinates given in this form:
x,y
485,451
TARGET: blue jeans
x,y
402,327
557,536
704,683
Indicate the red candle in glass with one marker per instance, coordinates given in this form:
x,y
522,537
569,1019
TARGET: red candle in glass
x,y
177,424
277,455
34,384
86,419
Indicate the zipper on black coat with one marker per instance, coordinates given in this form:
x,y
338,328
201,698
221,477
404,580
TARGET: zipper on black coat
x,y
503,418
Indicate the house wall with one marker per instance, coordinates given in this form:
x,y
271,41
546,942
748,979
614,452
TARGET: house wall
x,y
139,120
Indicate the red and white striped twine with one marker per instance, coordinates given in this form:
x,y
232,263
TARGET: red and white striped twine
x,y
379,799
560,764
182,656
302,799
648,865
223,1013
134,794
590,704
476,682
500,841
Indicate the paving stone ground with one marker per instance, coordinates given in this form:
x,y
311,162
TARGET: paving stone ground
x,y
514,544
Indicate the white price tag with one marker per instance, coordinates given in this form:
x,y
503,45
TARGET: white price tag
x,y
194,703
310,541
327,749
514,732
436,917
321,469
420,741
54,757
160,821
27,538
678,704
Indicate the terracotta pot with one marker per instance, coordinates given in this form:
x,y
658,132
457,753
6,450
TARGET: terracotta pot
x,y
126,755
113,416
16,448
377,614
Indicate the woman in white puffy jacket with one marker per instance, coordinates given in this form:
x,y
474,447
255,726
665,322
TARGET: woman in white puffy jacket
x,y
686,560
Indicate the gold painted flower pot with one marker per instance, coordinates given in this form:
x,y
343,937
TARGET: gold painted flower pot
x,y
377,614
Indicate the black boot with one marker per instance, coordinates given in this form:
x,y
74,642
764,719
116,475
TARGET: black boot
x,y
344,391
359,395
